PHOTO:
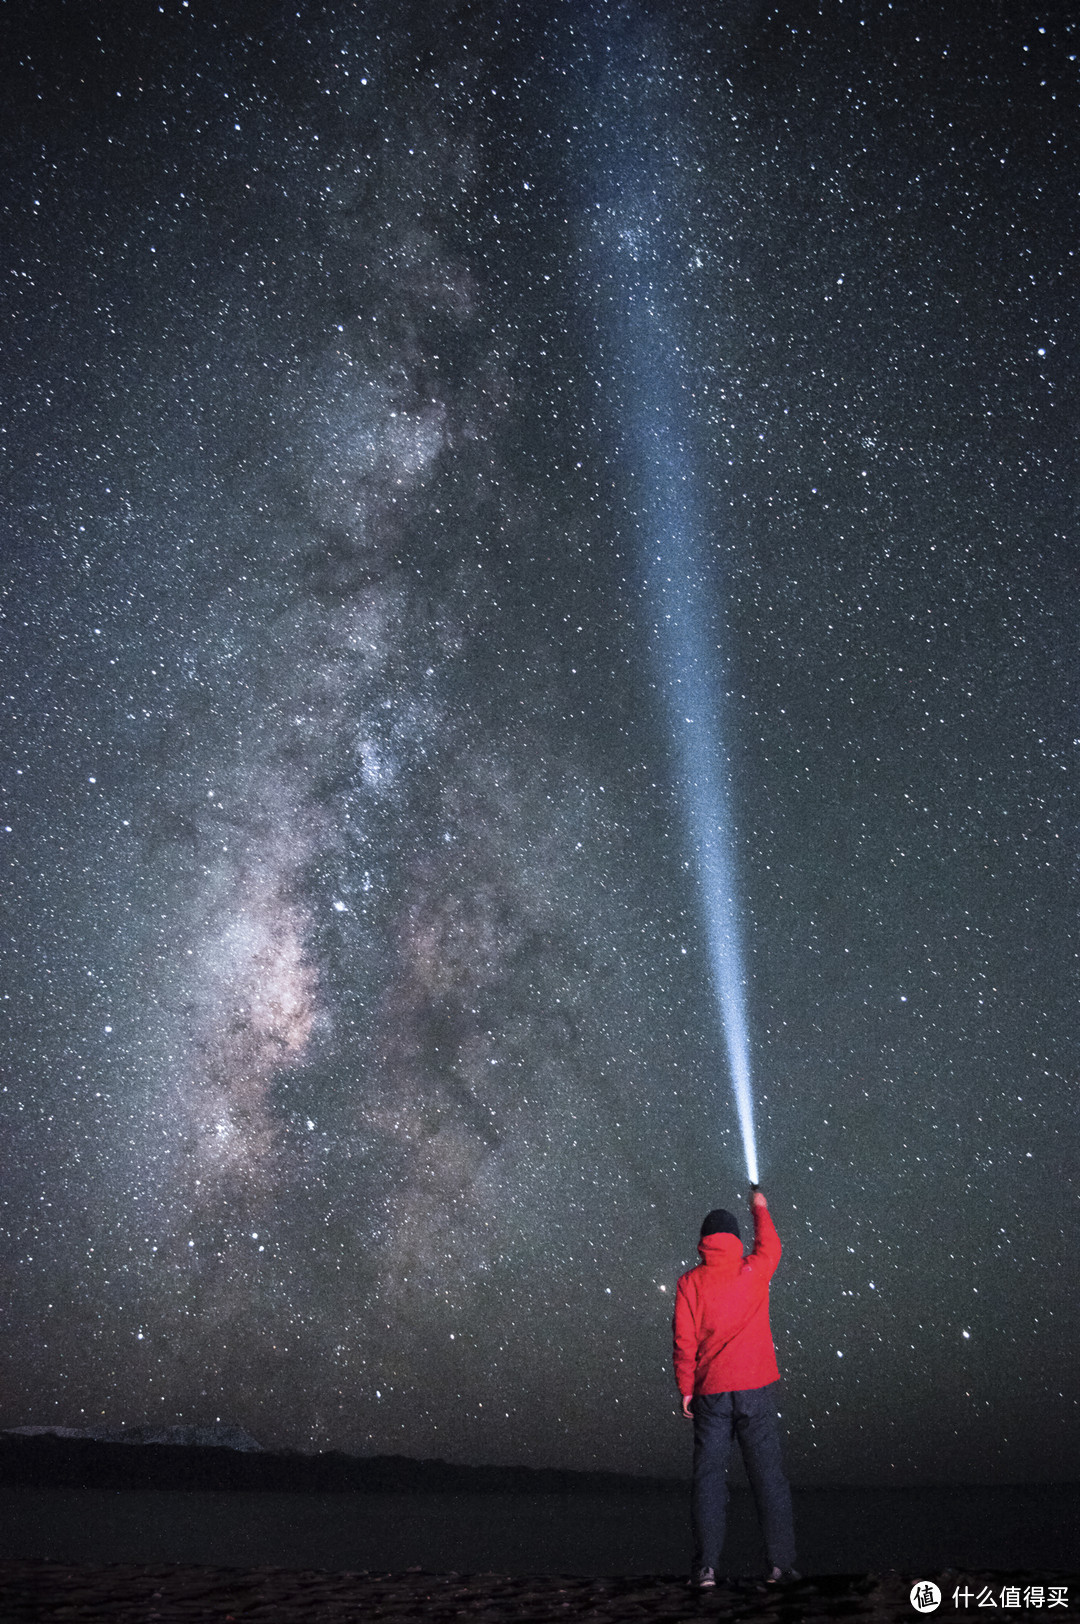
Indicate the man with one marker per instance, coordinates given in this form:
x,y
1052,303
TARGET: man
x,y
725,1365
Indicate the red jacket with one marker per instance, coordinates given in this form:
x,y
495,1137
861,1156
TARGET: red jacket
x,y
723,1341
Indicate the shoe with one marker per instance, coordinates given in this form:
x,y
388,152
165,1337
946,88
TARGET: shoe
x,y
703,1579
782,1576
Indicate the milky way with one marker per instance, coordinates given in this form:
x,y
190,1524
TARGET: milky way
x,y
362,1077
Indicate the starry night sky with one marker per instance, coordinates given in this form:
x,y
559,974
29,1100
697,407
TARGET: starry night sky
x,y
363,1080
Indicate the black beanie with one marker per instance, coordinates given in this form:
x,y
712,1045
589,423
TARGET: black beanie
x,y
720,1222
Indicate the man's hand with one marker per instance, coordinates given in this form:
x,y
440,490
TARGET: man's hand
x,y
757,1199
686,1410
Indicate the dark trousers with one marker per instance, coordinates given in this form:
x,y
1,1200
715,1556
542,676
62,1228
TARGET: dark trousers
x,y
750,1417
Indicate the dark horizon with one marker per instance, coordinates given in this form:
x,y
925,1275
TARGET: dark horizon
x,y
363,1079
155,1504
85,1462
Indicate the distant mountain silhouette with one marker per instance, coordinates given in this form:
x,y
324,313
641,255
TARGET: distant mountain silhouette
x,y
227,1457
218,1436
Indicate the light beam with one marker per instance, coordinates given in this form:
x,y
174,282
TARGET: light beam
x,y
656,408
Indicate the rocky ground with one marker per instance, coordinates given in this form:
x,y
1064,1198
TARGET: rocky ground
x,y
44,1592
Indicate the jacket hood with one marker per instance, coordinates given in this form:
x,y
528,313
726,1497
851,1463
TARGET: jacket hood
x,y
721,1249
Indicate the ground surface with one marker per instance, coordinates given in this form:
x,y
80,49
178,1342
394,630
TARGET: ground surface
x,y
122,1594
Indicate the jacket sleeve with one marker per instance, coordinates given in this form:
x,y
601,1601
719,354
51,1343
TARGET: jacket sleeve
x,y
767,1249
685,1339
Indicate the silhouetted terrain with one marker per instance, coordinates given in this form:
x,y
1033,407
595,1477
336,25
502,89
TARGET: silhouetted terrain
x,y
48,1460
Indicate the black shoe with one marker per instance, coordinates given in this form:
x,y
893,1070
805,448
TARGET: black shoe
x,y
782,1576
703,1579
